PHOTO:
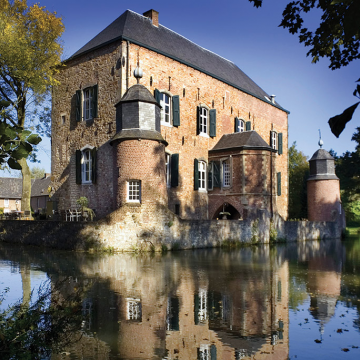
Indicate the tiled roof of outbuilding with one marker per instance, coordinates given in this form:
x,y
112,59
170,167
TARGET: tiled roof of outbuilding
x,y
139,29
247,139
10,188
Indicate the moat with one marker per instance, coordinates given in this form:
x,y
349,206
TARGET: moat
x,y
295,301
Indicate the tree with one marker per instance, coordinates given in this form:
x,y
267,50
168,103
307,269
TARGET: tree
x,y
37,172
29,59
348,171
337,38
298,174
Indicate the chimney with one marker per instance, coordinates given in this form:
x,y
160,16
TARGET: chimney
x,y
272,98
153,15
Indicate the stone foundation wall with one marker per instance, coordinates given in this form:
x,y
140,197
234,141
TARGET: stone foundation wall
x,y
132,234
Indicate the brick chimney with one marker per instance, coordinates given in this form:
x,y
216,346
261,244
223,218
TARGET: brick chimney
x,y
153,15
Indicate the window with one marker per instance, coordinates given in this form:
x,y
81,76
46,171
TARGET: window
x,y
168,169
206,121
273,140
226,173
63,119
134,191
86,165
203,121
239,125
170,108
165,102
202,175
86,103
133,309
6,203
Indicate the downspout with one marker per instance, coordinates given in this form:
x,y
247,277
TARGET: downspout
x,y
271,185
127,64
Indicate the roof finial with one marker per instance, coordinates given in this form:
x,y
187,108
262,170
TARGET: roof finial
x,y
321,143
138,73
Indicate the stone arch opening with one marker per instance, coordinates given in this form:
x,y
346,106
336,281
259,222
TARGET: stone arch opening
x,y
226,212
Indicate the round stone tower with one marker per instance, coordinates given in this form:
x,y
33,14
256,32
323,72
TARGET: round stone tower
x,y
323,188
139,152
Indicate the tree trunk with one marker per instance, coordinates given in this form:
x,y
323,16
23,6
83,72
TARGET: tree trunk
x,y
26,183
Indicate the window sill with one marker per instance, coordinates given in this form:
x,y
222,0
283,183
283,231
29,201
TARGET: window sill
x,y
204,135
133,203
166,124
202,191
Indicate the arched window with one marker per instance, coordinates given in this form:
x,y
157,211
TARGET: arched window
x,y
86,165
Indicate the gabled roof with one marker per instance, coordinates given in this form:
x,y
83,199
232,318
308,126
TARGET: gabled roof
x,y
10,188
244,140
40,186
139,30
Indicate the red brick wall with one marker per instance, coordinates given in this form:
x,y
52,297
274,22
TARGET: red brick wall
x,y
142,160
323,200
251,182
101,67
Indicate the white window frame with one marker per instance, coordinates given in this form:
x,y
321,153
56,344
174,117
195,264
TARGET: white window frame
x,y
241,127
202,167
86,166
6,203
168,168
88,103
166,108
274,141
133,309
202,305
134,191
226,173
204,121
204,352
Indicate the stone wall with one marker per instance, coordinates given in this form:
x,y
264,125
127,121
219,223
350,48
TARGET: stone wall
x,y
133,233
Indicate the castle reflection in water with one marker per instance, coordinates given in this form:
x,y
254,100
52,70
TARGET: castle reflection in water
x,y
187,305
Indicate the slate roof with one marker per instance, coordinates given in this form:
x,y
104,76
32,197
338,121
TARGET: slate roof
x,y
10,188
40,186
244,140
139,30
138,92
321,154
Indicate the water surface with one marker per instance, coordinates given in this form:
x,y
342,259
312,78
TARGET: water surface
x,y
299,301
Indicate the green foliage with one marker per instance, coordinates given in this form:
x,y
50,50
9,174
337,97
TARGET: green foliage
x,y
337,37
255,231
37,172
298,174
83,203
34,330
272,232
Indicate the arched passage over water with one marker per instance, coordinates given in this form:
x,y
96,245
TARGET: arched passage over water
x,y
226,211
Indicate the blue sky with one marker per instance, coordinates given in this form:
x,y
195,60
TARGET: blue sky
x,y
250,38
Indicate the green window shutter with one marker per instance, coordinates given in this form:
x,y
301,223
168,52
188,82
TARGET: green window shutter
x,y
248,125
236,125
176,110
198,120
157,95
216,174
196,308
174,163
212,131
78,166
210,176
280,143
78,105
95,101
279,183
93,165
213,352
196,174
174,314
